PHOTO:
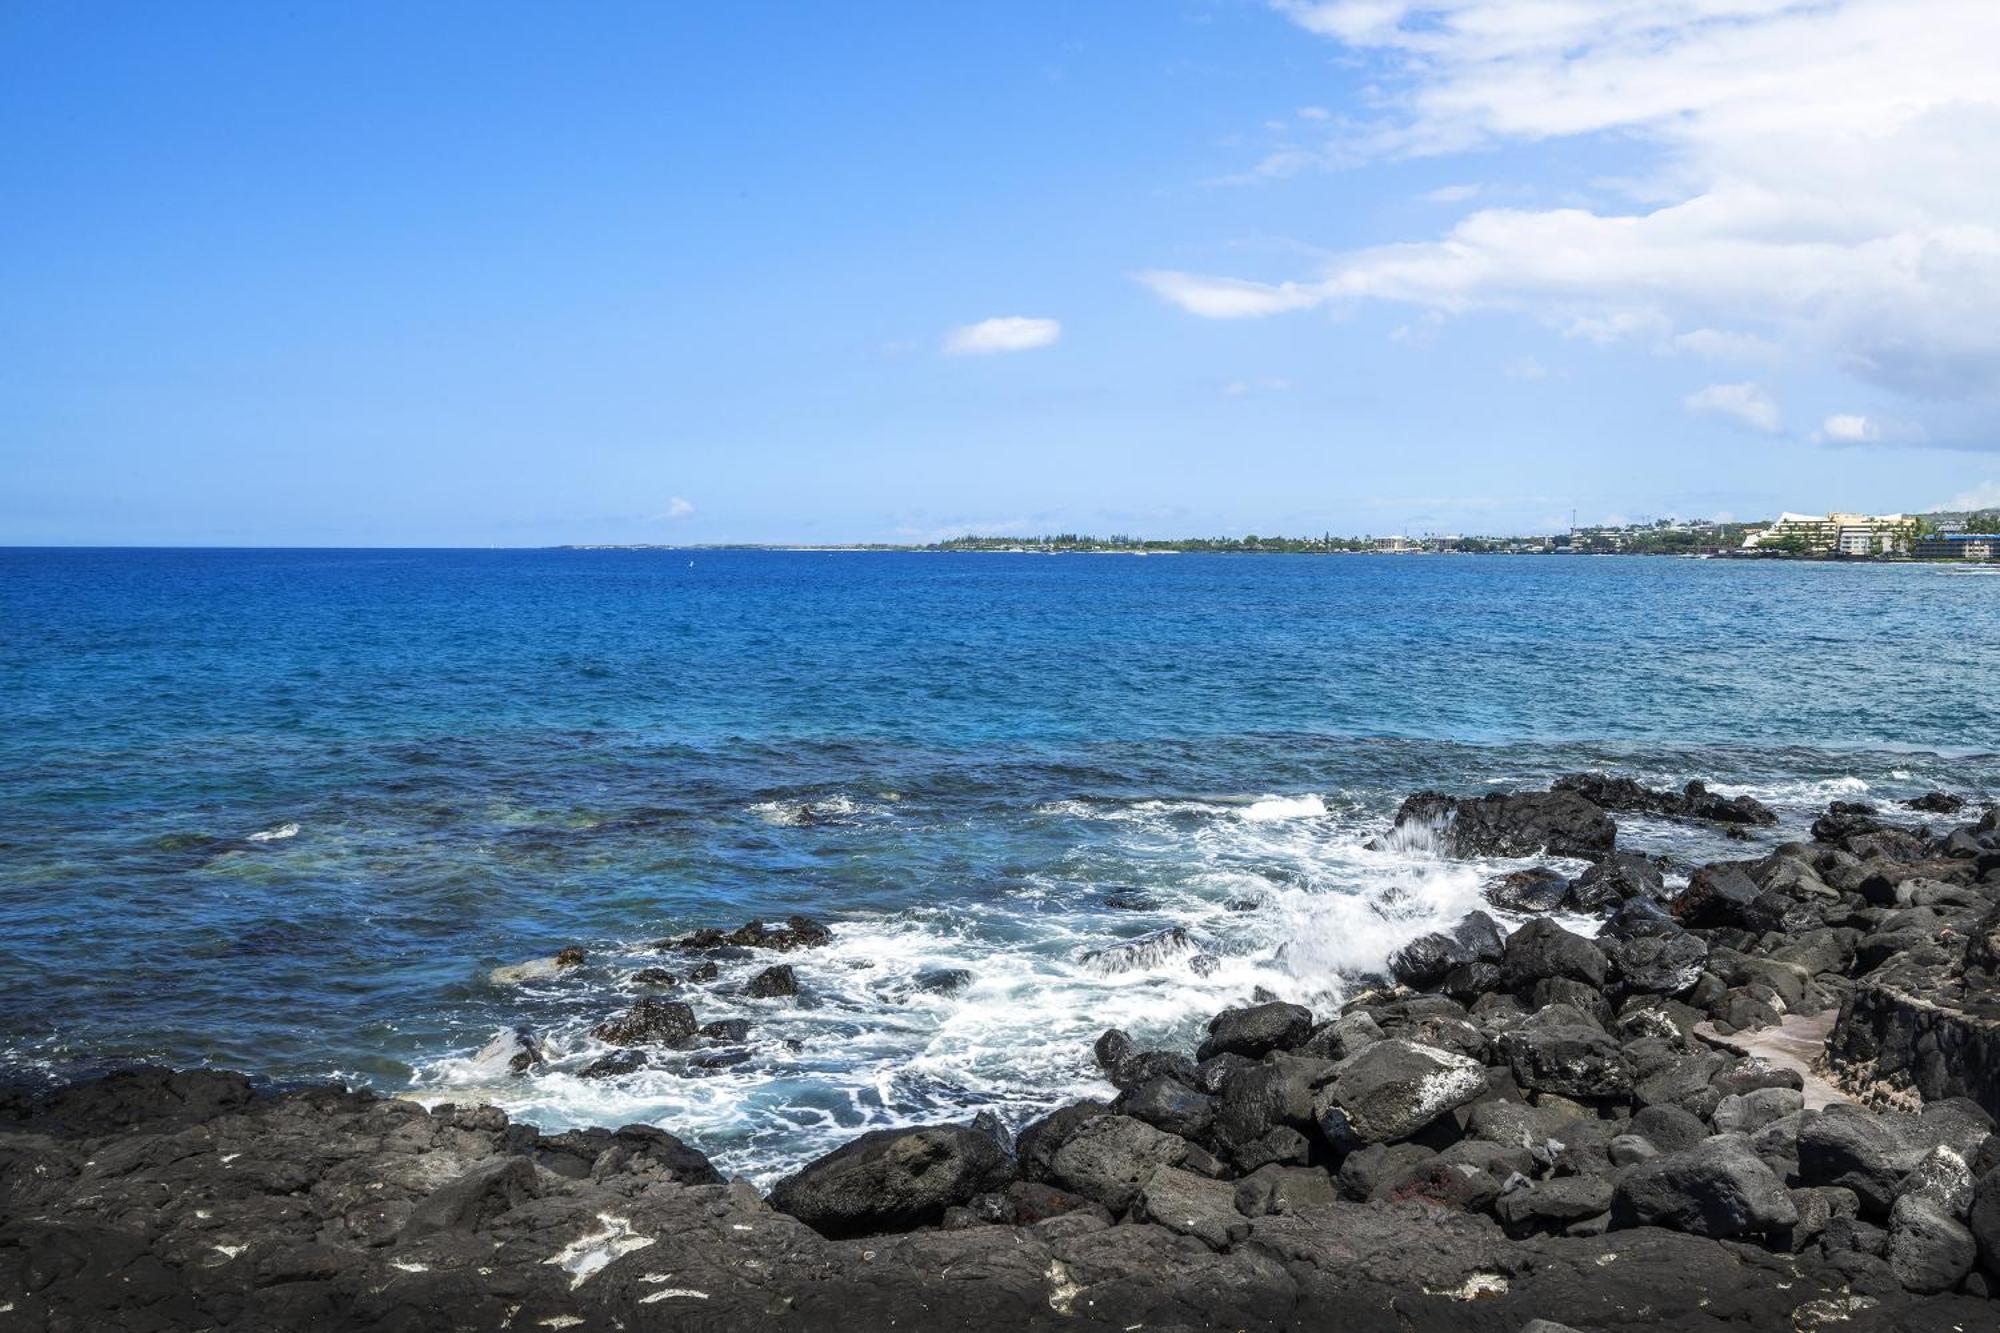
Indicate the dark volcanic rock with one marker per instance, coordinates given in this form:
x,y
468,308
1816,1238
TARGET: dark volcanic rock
x,y
1665,964
1255,1031
1719,1187
1536,890
1391,1090
1109,1159
1937,803
773,983
650,1023
1570,1059
1543,949
1695,801
892,1180
1510,824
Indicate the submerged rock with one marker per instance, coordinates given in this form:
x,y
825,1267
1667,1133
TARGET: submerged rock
x,y
650,1023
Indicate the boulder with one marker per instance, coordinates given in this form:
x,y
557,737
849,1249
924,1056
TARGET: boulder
x,y
1257,1030
1619,877
1542,949
1661,964
1110,1158
1859,1150
1929,1250
1192,1205
1716,895
1718,1188
1169,1104
1037,1143
1392,1089
1511,824
1284,1189
1568,1059
473,1199
893,1180
1983,1221
1529,891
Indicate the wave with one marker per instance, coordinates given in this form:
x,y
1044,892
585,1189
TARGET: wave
x,y
277,834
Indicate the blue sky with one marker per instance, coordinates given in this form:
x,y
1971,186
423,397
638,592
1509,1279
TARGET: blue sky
x,y
516,274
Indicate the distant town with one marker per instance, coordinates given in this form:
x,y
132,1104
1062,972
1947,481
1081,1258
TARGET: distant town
x,y
1973,536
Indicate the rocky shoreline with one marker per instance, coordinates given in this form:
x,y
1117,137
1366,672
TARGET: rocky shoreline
x,y
1762,1098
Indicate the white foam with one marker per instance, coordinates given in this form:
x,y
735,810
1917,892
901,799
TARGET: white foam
x,y
277,834
1285,807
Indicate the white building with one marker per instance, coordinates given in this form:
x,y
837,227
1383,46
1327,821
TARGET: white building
x,y
1838,533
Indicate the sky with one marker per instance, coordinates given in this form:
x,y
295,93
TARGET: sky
x,y
521,274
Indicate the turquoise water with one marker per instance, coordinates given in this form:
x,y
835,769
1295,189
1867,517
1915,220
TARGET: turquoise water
x,y
286,811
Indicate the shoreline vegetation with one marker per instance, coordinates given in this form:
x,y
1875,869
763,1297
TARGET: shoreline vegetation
x,y
1664,537
1760,1096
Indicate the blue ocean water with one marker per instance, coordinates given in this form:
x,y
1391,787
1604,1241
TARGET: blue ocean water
x,y
287,811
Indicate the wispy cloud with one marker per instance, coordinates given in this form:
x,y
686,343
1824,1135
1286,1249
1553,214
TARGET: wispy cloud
x,y
1747,403
1986,495
1824,178
677,508
1006,333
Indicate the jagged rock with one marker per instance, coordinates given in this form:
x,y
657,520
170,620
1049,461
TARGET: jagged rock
x,y
1568,1059
1719,1188
1936,803
773,983
1528,891
1512,823
475,1198
1716,895
1616,879
1551,1205
892,1180
655,976
1695,801
650,1022
1661,964
1392,1089
798,932
1276,1092
1983,1220
1257,1030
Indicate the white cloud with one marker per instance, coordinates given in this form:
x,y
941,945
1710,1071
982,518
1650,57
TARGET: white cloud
x,y
1228,298
1850,428
1314,113
1747,403
1452,194
1263,384
1823,176
1986,495
677,508
1007,333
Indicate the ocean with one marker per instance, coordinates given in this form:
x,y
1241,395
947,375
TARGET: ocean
x,y
287,811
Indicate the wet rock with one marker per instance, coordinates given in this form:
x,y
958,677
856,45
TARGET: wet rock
x,y
943,980
1255,1031
1142,954
1937,803
1718,1188
727,1029
1694,801
1610,883
616,1065
513,1053
1511,824
773,983
1529,891
705,972
650,1023
655,976
1392,1089
892,1180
